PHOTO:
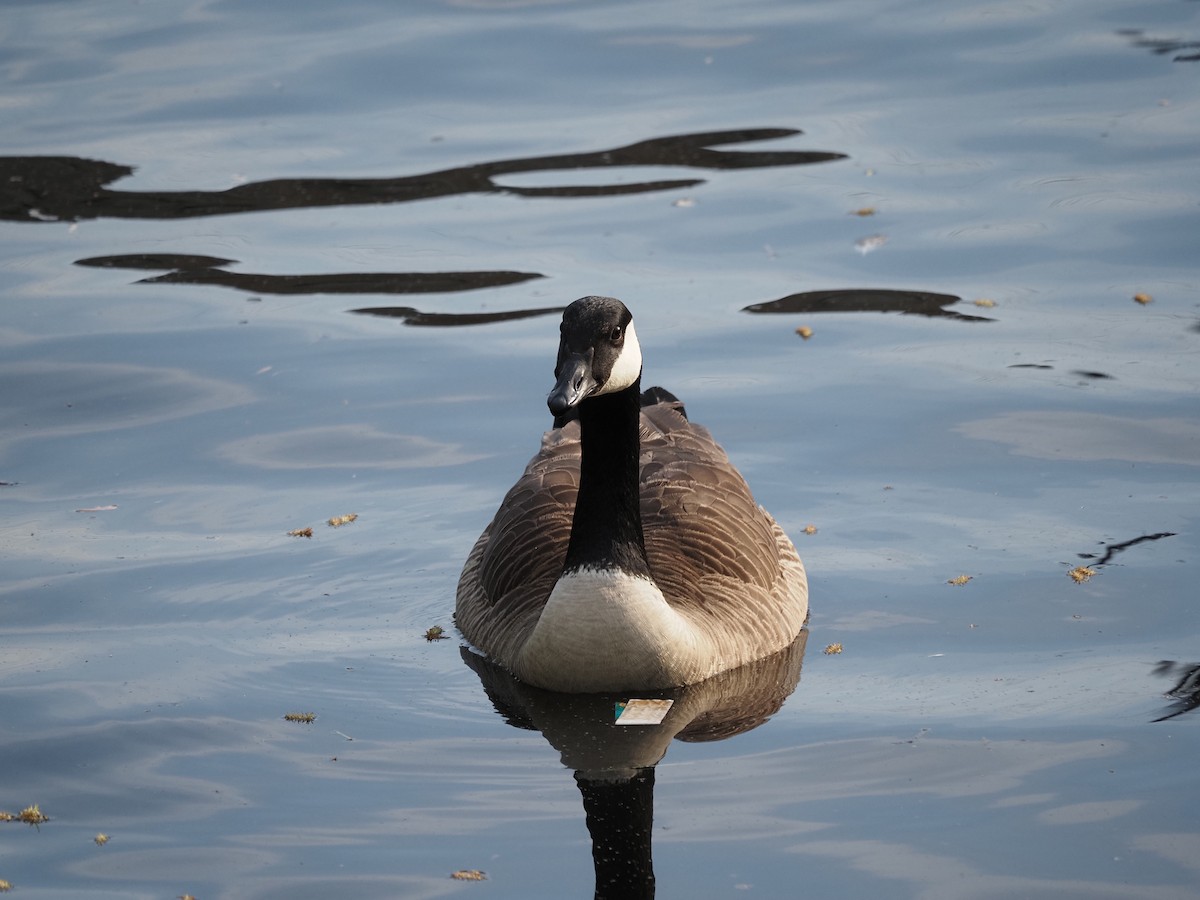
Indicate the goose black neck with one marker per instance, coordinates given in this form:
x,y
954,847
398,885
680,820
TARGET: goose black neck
x,y
606,531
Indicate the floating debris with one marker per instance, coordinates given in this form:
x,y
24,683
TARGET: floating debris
x,y
684,202
469,875
832,649
5,885
870,243
805,332
31,815
339,521
108,508
642,712
101,839
436,633
810,529
300,532
1081,574
865,211
306,718
959,580
1143,298
985,302
186,897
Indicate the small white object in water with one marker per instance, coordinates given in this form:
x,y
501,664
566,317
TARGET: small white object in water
x,y
871,242
643,712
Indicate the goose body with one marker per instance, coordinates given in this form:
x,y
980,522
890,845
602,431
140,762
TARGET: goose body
x,y
631,553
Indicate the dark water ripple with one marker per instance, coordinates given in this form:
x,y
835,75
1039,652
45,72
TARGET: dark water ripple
x,y
69,188
916,303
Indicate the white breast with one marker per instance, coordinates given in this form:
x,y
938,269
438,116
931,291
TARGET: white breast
x,y
606,630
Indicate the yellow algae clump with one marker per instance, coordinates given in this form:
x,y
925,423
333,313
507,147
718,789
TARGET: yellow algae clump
x,y
101,839
339,521
307,718
300,532
1080,574
832,649
805,332
959,580
1143,298
31,815
469,875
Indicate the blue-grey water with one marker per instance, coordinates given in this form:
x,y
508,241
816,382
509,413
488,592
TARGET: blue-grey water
x,y
960,200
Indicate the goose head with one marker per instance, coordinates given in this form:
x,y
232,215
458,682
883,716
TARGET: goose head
x,y
598,353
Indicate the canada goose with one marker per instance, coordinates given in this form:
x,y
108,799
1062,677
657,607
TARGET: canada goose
x,y
630,554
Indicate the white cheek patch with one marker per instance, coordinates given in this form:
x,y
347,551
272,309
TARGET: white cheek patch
x,y
628,367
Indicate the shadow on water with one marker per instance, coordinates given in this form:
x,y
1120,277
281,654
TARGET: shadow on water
x,y
210,270
188,269
1186,692
916,303
614,764
410,316
1112,549
1163,46
69,188
194,269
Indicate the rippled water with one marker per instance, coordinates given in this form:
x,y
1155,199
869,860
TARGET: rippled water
x,y
267,264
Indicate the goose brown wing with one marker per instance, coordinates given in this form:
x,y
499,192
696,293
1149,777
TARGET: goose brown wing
x,y
698,515
516,561
717,556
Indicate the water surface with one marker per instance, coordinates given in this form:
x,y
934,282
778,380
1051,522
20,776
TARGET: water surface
x,y
268,264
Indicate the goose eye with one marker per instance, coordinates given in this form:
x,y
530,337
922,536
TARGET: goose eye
x,y
616,334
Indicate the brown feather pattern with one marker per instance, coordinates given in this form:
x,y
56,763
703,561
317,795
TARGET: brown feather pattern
x,y
721,560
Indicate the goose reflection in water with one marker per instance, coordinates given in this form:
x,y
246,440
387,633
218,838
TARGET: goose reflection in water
x,y
614,764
